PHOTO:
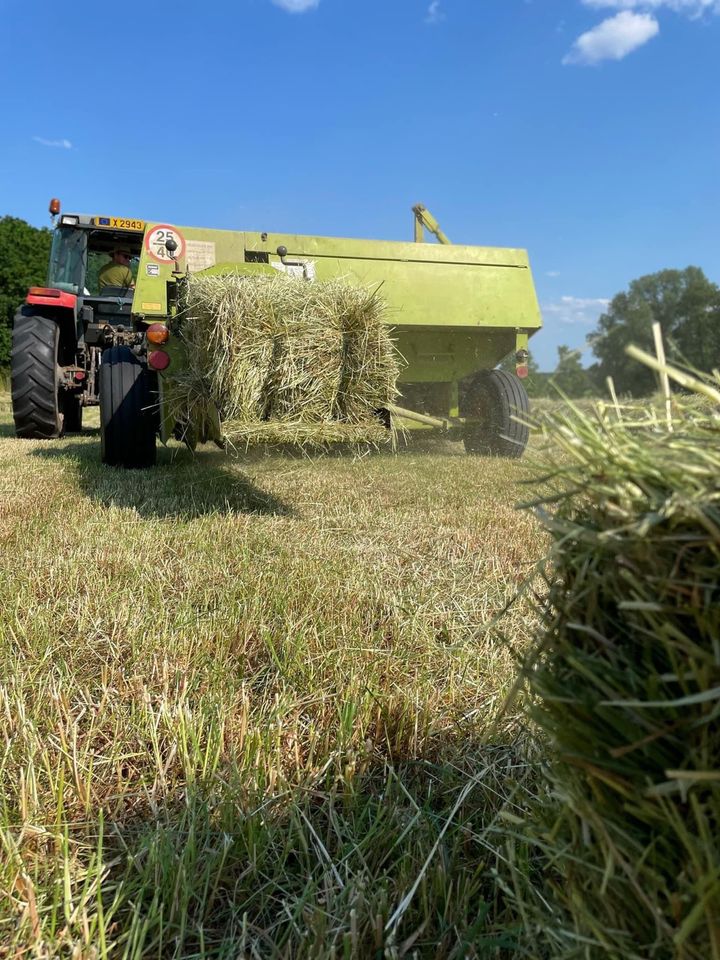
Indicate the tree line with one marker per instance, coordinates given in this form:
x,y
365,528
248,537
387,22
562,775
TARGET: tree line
x,y
685,303
24,256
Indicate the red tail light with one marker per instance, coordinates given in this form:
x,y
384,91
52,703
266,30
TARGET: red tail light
x,y
44,292
522,371
159,360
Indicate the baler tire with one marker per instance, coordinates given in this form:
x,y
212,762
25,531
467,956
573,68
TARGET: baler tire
x,y
127,410
501,402
72,413
34,378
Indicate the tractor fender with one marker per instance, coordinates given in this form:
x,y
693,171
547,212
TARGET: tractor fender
x,y
62,309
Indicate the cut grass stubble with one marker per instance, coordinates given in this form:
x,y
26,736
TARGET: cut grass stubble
x,y
247,713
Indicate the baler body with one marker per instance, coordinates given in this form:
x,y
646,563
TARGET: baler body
x,y
454,309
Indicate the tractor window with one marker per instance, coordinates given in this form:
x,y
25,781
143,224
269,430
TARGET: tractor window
x,y
68,260
97,258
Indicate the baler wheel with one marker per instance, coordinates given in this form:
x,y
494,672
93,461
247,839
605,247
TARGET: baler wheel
x,y
496,398
128,410
34,378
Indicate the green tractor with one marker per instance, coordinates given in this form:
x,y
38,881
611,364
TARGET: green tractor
x,y
456,312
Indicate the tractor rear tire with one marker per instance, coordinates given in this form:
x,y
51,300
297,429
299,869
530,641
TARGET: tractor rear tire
x,y
128,404
34,378
496,398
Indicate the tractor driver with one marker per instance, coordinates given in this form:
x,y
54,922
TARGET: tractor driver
x,y
117,272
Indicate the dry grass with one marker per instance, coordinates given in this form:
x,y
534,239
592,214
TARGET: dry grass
x,y
247,708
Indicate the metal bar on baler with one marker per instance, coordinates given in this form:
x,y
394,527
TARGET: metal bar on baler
x,y
437,422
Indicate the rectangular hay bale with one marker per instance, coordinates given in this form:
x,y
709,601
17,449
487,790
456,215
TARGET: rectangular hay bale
x,y
624,676
283,360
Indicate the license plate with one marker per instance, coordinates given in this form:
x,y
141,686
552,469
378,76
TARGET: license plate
x,y
119,223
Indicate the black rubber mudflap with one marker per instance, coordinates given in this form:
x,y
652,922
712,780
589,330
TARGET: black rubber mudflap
x,y
34,378
128,410
72,413
501,403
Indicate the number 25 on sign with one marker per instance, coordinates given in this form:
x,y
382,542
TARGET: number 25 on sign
x,y
156,241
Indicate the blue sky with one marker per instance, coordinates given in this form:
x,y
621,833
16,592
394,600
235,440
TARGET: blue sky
x,y
587,131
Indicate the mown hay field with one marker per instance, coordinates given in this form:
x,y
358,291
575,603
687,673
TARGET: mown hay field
x,y
252,708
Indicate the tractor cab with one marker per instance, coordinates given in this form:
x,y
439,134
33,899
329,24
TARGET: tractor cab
x,y
81,246
80,249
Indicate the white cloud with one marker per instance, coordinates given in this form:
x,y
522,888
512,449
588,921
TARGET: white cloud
x,y
296,6
553,273
693,8
614,38
63,144
583,310
434,13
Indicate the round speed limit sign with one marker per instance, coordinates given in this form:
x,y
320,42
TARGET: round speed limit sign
x,y
156,240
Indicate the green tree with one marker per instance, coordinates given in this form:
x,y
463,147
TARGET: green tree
x,y
24,254
570,376
685,304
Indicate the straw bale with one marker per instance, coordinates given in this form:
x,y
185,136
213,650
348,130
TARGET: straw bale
x,y
282,360
625,682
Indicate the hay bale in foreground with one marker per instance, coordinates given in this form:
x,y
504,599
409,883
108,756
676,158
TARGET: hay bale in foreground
x,y
286,361
625,677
